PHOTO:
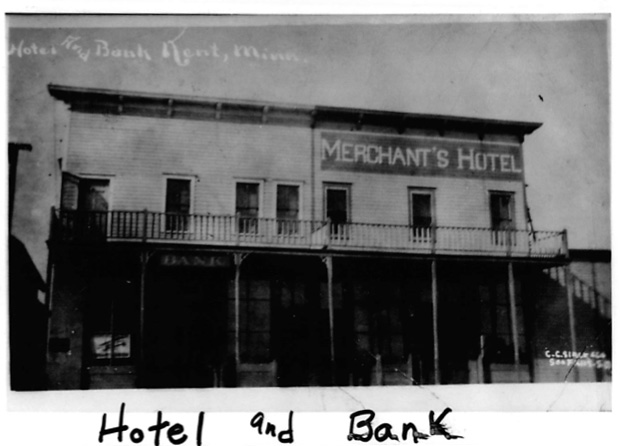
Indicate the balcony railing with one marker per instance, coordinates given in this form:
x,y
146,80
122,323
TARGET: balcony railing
x,y
230,230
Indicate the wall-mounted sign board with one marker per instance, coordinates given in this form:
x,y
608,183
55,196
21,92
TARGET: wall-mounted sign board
x,y
104,347
424,156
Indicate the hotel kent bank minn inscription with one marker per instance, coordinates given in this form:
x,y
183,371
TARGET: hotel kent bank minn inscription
x,y
413,155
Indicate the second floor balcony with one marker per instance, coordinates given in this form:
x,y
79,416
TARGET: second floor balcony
x,y
264,233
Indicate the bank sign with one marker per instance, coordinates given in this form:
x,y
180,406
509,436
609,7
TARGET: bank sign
x,y
424,156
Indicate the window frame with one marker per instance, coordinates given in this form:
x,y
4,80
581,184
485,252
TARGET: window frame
x,y
298,185
503,236
422,191
247,300
113,306
511,208
420,233
260,184
96,177
347,187
338,230
192,181
91,223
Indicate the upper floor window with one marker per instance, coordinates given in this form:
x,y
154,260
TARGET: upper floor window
x,y
247,207
421,213
287,209
178,203
94,194
502,217
90,196
337,208
502,210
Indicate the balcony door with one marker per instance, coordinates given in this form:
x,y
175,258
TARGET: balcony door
x,y
502,217
247,207
337,209
421,206
178,204
287,209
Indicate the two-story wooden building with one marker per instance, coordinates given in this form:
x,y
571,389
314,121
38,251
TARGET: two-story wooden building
x,y
204,242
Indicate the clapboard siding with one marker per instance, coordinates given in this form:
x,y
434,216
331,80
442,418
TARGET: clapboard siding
x,y
140,152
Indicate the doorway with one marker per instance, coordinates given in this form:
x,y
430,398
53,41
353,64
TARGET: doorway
x,y
185,328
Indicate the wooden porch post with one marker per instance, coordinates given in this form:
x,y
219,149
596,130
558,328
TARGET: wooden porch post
x,y
513,319
49,297
571,315
238,259
145,256
435,321
328,260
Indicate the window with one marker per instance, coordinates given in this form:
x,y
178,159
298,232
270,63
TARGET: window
x,y
247,207
337,208
255,321
496,323
178,204
502,208
421,214
69,192
93,202
287,209
112,320
84,194
502,221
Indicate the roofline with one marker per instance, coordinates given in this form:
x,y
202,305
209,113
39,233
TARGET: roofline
x,y
480,126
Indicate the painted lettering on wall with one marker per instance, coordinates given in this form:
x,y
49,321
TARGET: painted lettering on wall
x,y
419,156
195,260
179,51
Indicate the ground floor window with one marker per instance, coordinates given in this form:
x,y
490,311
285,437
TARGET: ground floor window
x,y
496,324
255,321
382,314
112,314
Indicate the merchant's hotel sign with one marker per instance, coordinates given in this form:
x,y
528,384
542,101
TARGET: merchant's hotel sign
x,y
424,156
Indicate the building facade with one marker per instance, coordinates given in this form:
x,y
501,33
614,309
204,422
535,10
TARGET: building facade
x,y
204,242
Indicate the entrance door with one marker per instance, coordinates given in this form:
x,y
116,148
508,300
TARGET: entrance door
x,y
185,328
296,350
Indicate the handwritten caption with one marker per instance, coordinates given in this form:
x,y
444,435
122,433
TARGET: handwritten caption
x,y
173,50
361,429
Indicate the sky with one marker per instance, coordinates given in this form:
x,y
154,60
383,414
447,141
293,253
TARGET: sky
x,y
548,69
